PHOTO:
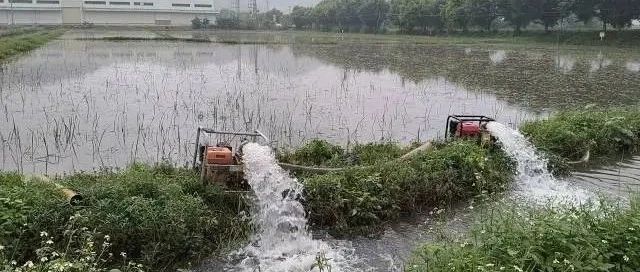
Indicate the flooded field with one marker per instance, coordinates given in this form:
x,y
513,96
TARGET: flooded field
x,y
83,105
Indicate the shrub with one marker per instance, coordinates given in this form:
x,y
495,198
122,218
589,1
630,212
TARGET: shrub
x,y
22,42
571,134
322,153
160,216
584,238
362,197
80,251
317,153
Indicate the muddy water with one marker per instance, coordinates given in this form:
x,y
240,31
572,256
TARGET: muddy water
x,y
82,105
616,178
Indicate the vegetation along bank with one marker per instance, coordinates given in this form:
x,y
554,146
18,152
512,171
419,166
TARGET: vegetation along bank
x,y
378,186
598,133
505,237
20,41
162,218
158,218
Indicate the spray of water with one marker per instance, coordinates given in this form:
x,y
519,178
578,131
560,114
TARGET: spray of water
x,y
282,241
534,180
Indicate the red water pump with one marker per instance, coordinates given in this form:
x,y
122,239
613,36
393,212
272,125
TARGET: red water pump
x,y
467,126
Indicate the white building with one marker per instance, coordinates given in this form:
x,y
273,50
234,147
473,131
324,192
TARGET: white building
x,y
105,12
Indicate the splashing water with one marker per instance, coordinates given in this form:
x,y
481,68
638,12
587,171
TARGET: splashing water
x,y
534,180
282,242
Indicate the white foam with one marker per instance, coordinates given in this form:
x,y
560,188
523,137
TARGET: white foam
x,y
282,241
534,182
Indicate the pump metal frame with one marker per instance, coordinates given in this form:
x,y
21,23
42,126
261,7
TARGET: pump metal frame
x,y
254,136
465,118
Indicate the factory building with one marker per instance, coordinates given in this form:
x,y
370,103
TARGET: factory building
x,y
105,12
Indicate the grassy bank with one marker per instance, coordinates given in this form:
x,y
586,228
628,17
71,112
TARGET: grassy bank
x,y
601,132
541,239
158,217
376,187
21,42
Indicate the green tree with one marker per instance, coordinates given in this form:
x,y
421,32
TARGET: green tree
x,y
457,14
519,13
227,19
585,9
271,18
372,13
324,14
423,15
483,12
618,13
301,17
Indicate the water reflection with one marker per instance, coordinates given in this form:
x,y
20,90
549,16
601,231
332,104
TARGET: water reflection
x,y
101,104
538,79
565,63
105,104
633,66
498,56
600,62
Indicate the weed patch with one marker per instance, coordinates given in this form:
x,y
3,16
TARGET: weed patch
x,y
23,42
359,198
160,217
542,239
571,134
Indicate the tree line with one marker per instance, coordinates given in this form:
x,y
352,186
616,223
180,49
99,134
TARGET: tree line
x,y
429,16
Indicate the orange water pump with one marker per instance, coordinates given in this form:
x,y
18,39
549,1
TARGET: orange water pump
x,y
222,163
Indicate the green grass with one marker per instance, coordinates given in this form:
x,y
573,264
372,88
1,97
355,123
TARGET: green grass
x,y
321,153
603,132
160,217
377,188
605,237
25,41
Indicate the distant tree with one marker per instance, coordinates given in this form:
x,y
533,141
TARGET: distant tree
x,y
423,15
347,15
324,13
554,10
204,23
372,13
271,18
483,12
227,19
301,17
457,14
519,13
196,23
618,13
585,10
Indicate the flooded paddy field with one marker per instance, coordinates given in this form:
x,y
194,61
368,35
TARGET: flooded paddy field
x,y
83,105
